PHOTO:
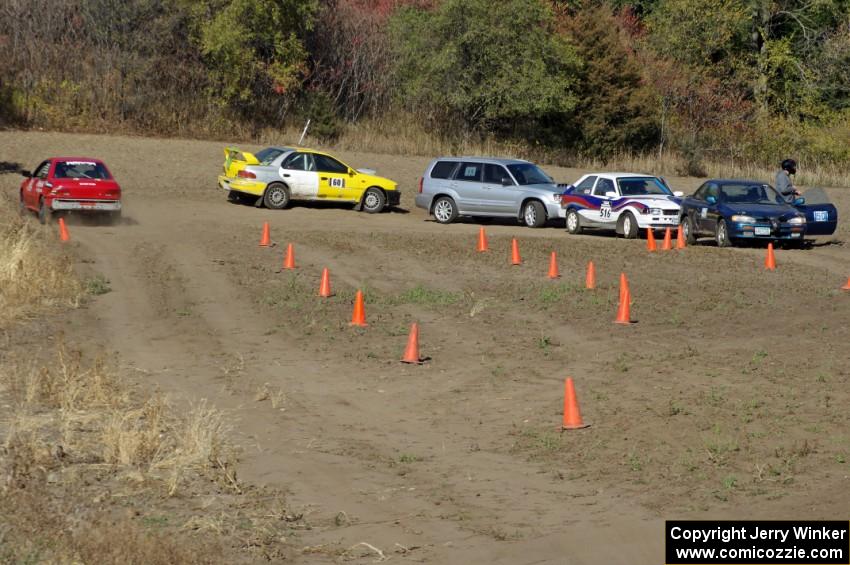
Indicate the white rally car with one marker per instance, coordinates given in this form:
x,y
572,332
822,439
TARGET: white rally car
x,y
624,202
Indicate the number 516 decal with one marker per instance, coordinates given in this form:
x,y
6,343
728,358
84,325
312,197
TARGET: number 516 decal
x,y
336,183
605,210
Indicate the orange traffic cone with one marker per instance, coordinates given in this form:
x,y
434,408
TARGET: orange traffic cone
x,y
846,286
650,240
266,239
770,259
623,312
668,241
590,279
553,267
63,230
624,287
515,258
572,414
411,352
680,238
289,261
325,285
482,240
358,317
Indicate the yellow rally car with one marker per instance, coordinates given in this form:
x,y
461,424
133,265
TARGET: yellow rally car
x,y
277,175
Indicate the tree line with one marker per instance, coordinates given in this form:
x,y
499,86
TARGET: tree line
x,y
743,80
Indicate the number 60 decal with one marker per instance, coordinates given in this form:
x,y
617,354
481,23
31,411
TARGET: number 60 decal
x,y
336,183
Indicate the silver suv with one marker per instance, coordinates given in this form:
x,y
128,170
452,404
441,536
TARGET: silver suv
x,y
482,186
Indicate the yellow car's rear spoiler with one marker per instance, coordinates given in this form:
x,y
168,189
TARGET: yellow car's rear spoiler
x,y
235,160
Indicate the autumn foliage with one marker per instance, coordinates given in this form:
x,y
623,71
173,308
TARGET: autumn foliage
x,y
710,80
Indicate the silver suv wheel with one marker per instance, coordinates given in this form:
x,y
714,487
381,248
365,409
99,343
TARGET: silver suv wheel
x,y
444,210
534,214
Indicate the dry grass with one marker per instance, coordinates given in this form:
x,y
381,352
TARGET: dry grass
x,y
66,385
86,409
398,136
33,274
54,531
74,434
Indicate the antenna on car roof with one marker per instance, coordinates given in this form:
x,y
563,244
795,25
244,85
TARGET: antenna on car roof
x,y
303,133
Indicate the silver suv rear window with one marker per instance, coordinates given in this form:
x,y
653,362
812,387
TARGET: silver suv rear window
x,y
443,169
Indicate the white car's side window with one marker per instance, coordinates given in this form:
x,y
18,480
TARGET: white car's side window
x,y
296,162
586,186
604,186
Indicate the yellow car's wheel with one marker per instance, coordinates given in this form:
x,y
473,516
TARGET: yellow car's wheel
x,y
374,200
276,196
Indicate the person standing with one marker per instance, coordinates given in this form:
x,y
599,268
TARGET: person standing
x,y
784,184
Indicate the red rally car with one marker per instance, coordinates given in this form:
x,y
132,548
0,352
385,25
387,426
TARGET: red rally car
x,y
78,184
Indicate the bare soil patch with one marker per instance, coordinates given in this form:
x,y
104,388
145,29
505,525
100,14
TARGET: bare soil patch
x,y
725,399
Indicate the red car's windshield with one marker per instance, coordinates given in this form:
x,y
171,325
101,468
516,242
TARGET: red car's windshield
x,y
80,170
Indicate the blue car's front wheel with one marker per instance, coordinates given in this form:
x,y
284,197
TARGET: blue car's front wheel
x,y
688,230
721,234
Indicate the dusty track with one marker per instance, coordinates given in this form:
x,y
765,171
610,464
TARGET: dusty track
x,y
460,460
176,318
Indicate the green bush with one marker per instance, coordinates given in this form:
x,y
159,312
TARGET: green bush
x,y
325,125
484,65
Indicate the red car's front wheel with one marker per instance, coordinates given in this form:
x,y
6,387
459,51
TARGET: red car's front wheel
x,y
43,212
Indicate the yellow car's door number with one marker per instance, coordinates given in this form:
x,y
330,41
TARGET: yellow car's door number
x,y
336,182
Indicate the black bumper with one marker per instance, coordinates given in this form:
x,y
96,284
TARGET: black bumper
x,y
393,197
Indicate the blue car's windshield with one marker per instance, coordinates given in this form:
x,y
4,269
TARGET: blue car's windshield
x,y
638,186
526,173
749,193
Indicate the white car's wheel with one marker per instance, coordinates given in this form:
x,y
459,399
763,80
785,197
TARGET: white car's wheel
x,y
573,221
628,225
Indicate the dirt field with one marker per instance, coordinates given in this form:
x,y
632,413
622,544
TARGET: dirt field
x,y
728,398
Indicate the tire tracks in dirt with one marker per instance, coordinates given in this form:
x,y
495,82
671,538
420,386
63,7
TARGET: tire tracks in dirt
x,y
188,353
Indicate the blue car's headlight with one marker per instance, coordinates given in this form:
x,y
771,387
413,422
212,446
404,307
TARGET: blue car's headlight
x,y
743,219
797,220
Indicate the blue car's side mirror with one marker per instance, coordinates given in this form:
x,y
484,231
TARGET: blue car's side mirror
x,y
711,199
799,201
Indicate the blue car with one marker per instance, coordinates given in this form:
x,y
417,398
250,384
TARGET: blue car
x,y
731,210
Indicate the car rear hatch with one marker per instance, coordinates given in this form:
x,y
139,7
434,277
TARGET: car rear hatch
x,y
821,214
87,189
236,160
